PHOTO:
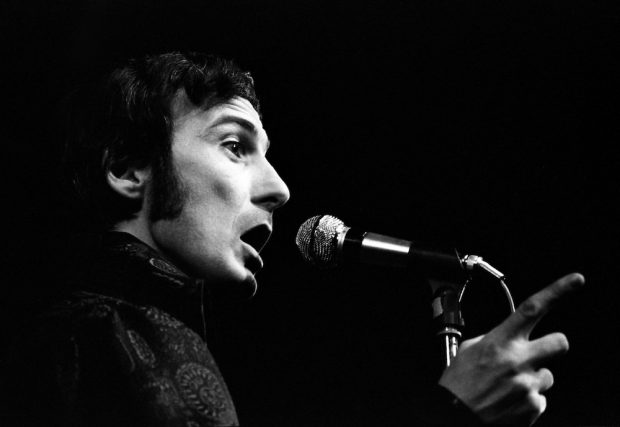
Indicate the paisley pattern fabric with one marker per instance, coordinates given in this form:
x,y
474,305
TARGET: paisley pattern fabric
x,y
127,348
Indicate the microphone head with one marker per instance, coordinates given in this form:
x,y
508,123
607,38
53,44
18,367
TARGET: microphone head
x,y
317,240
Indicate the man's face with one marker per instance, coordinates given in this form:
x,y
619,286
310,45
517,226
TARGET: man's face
x,y
229,189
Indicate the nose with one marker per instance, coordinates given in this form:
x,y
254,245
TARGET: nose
x,y
271,192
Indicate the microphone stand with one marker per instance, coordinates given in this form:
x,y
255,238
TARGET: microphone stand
x,y
447,318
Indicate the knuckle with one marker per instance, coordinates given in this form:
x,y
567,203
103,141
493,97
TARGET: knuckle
x,y
494,355
531,308
522,386
534,403
530,408
537,402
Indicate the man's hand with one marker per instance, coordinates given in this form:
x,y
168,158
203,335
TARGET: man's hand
x,y
500,376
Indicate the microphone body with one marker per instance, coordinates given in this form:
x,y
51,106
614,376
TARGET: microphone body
x,y
326,242
378,249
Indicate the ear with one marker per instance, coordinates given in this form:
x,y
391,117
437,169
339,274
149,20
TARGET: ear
x,y
129,181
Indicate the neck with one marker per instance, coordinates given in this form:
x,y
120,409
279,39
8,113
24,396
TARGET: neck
x,y
137,227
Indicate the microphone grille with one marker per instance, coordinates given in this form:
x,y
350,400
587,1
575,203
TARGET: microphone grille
x,y
317,240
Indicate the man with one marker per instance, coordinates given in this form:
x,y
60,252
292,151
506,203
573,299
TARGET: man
x,y
172,153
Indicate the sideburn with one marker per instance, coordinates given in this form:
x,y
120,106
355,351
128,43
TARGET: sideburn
x,y
167,194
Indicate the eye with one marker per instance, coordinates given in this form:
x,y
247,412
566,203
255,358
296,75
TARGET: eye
x,y
236,148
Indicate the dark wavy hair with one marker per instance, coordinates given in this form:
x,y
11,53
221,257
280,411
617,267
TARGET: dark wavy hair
x,y
126,118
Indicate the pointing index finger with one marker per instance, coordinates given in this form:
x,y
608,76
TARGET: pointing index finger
x,y
530,311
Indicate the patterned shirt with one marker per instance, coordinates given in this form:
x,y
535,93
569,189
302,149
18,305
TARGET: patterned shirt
x,y
127,348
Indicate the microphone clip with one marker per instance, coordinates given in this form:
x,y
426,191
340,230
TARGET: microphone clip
x,y
471,262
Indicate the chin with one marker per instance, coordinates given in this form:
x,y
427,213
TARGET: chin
x,y
239,285
234,290
251,286
247,286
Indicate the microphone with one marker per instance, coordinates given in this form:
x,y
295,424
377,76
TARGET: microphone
x,y
326,242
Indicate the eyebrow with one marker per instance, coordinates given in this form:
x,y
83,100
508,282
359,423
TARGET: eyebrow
x,y
244,123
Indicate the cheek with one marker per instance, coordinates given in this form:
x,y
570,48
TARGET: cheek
x,y
224,190
215,188
214,204
228,187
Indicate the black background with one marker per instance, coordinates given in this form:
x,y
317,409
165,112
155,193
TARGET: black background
x,y
491,126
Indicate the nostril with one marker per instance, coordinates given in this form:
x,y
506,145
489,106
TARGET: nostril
x,y
273,203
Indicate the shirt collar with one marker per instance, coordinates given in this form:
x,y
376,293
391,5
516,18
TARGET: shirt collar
x,y
127,268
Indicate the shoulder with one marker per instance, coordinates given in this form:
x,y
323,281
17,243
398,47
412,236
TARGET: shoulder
x,y
139,338
162,359
86,306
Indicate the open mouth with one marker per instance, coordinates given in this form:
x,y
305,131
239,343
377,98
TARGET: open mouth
x,y
257,237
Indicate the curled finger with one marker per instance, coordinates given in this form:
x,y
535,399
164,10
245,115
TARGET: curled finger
x,y
527,411
545,379
546,348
